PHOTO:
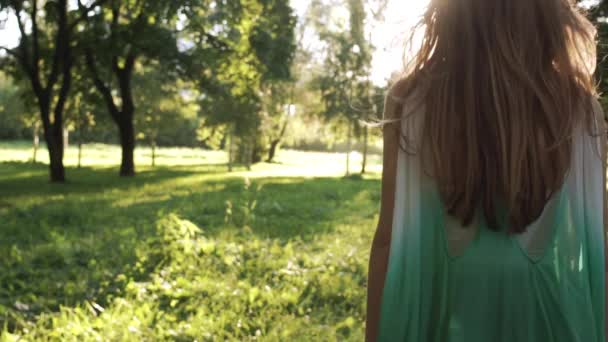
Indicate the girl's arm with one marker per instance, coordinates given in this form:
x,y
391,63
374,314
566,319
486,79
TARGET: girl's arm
x,y
604,147
601,119
378,261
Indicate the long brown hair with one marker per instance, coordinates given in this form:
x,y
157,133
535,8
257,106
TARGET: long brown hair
x,y
504,84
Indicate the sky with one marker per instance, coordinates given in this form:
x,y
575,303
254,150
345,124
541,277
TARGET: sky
x,y
387,36
390,35
9,34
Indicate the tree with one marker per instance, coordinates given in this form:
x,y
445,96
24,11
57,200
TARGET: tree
x,y
372,102
121,35
44,57
273,41
278,107
17,113
12,107
598,13
280,97
166,105
80,111
260,56
344,85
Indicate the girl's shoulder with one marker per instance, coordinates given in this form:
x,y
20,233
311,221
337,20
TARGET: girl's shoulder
x,y
404,97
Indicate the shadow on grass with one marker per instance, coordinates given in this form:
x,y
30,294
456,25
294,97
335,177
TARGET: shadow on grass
x,y
79,241
27,179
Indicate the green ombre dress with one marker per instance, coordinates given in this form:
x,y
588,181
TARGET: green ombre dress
x,y
445,283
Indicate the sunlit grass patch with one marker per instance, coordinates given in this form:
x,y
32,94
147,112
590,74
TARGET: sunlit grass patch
x,y
186,252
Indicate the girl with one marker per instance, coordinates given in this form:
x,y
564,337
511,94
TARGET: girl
x,y
493,202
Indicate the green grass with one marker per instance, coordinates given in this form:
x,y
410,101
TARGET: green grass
x,y
185,251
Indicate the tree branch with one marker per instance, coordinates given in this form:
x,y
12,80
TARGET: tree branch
x,y
64,91
35,47
10,52
84,12
23,45
115,16
61,42
105,91
124,82
114,24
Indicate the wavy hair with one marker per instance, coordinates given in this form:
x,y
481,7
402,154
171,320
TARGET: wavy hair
x,y
504,84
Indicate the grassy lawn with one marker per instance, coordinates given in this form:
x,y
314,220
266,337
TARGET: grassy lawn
x,y
184,251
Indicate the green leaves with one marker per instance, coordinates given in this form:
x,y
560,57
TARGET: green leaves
x,y
344,84
597,14
273,38
259,55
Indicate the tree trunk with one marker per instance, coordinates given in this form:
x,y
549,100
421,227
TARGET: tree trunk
x,y
79,153
230,146
56,165
54,143
153,146
36,140
223,141
273,149
348,149
66,138
123,117
127,131
365,143
249,152
275,143
127,144
58,78
248,158
256,153
79,129
53,136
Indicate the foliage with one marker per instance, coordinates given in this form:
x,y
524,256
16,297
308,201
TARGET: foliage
x,y
167,109
15,124
44,58
260,58
116,41
598,13
344,85
153,257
